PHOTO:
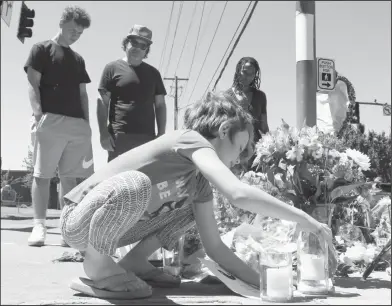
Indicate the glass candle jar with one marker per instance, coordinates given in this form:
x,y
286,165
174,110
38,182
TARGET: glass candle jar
x,y
276,276
312,269
172,260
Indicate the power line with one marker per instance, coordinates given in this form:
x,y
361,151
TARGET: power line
x,y
174,38
194,52
205,27
167,35
186,38
208,51
227,49
236,43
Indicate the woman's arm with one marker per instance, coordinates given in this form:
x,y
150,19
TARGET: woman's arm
x,y
251,198
216,249
263,114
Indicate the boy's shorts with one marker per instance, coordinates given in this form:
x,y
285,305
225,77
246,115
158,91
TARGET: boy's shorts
x,y
63,142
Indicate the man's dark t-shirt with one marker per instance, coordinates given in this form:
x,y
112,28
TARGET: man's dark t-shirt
x,y
133,91
62,71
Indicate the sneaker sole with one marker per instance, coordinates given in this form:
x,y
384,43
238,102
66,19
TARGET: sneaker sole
x,y
37,244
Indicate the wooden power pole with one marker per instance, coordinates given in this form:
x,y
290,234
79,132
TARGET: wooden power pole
x,y
176,79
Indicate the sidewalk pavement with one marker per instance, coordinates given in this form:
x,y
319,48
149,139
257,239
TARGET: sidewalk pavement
x,y
15,213
30,277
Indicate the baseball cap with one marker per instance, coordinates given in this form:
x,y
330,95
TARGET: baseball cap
x,y
141,32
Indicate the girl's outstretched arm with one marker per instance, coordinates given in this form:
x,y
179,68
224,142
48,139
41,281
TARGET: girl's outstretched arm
x,y
251,198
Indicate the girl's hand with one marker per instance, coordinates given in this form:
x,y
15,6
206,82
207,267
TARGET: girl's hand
x,y
319,229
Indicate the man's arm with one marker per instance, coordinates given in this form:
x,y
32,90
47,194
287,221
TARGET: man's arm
x,y
34,79
84,101
160,111
103,111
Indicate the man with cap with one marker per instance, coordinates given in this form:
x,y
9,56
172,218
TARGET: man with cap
x,y
132,97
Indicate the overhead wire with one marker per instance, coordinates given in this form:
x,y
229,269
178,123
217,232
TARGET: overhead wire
x,y
186,38
208,51
197,40
166,37
207,19
236,43
205,27
174,38
242,31
227,49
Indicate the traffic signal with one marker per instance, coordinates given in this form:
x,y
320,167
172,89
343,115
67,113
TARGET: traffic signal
x,y
26,22
356,113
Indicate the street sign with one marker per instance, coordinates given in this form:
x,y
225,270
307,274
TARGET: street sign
x,y
326,77
6,11
386,109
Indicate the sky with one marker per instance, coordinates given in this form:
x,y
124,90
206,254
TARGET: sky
x,y
356,34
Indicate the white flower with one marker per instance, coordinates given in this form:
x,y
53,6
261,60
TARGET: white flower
x,y
278,180
295,153
359,158
334,154
318,151
290,169
343,158
304,142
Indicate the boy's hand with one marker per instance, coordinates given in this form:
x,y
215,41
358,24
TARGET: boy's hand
x,y
38,117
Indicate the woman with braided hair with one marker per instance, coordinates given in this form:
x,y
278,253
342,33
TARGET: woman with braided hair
x,y
245,91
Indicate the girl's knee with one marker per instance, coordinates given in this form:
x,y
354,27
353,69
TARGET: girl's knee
x,y
138,186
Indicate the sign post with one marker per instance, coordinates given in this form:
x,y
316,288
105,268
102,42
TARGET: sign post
x,y
6,11
326,75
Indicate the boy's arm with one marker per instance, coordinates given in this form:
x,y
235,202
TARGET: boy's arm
x,y
84,101
34,79
216,249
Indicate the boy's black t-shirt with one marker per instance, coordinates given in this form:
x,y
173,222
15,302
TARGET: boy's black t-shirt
x,y
133,91
62,71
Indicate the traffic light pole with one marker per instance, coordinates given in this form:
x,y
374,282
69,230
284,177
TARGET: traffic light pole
x,y
176,79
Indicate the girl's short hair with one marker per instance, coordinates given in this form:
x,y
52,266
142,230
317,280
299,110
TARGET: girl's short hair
x,y
77,14
206,115
127,40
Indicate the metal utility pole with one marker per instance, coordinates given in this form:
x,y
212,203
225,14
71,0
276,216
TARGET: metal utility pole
x,y
176,79
306,63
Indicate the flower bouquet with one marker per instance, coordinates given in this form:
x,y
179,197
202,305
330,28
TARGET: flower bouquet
x,y
310,168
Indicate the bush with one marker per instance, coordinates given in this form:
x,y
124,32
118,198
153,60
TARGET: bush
x,y
377,146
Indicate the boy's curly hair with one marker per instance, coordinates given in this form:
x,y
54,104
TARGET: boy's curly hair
x,y
127,40
77,14
206,115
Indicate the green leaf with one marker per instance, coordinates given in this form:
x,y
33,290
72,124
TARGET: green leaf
x,y
342,190
296,200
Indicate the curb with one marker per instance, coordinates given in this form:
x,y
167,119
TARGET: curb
x,y
11,217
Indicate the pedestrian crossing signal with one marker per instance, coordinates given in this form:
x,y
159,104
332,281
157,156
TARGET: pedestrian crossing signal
x,y
26,22
326,77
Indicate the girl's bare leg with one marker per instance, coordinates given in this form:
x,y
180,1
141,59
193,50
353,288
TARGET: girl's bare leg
x,y
137,258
